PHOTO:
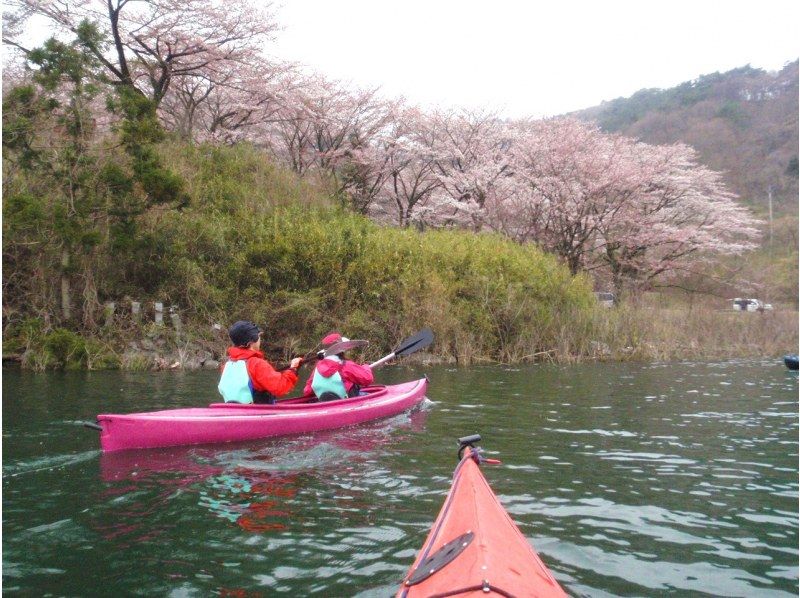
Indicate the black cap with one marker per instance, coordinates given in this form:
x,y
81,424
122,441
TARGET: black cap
x,y
243,333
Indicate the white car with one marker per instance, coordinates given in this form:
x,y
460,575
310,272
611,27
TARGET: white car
x,y
740,304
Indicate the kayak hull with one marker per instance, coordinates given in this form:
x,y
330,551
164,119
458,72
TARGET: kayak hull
x,y
494,557
232,423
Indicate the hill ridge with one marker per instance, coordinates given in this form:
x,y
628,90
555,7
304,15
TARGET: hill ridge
x,y
742,122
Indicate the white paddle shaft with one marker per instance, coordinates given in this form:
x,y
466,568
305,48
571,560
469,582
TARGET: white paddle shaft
x,y
381,361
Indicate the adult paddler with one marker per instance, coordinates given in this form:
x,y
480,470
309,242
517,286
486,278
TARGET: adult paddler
x,y
249,378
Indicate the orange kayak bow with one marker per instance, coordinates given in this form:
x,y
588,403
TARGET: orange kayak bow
x,y
474,548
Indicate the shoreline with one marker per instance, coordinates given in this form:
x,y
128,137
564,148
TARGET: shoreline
x,y
628,333
197,357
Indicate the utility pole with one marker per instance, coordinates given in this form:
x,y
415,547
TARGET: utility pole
x,y
769,194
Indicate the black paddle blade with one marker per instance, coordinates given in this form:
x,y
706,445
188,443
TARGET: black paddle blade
x,y
420,340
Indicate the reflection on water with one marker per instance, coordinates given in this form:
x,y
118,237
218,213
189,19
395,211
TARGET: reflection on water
x,y
629,479
254,486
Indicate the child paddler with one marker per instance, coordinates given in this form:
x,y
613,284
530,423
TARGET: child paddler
x,y
336,377
249,378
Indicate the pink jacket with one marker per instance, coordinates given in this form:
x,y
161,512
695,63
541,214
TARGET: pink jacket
x,y
351,373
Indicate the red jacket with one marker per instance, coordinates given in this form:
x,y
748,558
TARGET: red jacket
x,y
262,374
351,373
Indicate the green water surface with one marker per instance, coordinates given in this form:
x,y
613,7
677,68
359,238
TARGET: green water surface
x,y
628,479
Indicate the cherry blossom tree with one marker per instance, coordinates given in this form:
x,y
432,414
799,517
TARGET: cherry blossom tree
x,y
577,178
608,201
381,155
599,201
230,108
326,127
146,44
288,138
364,172
477,170
682,214
411,153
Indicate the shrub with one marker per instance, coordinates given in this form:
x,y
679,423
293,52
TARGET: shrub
x,y
65,348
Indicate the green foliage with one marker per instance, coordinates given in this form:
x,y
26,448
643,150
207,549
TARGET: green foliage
x,y
618,114
65,349
140,130
89,36
734,112
22,109
57,61
226,234
300,272
21,336
258,243
52,170
239,179
116,179
56,349
22,212
68,350
76,200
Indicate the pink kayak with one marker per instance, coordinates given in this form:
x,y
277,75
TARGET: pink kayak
x,y
223,422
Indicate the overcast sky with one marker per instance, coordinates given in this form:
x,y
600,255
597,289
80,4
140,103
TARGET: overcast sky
x,y
533,58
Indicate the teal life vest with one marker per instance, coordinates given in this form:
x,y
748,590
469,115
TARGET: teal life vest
x,y
320,384
234,384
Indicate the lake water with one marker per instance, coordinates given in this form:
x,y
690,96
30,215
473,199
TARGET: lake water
x,y
628,479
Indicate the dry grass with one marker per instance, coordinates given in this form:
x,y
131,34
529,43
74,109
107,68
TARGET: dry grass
x,y
648,333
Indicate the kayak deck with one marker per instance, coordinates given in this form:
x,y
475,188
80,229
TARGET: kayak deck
x,y
475,549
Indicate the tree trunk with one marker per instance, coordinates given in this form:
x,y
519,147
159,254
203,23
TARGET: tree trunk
x,y
66,293
574,263
618,284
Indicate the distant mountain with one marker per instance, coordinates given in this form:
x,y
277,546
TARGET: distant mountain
x,y
742,122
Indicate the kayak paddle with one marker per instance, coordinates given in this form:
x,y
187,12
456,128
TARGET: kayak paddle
x,y
420,340
344,346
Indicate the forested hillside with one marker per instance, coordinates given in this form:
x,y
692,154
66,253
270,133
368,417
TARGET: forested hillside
x,y
743,123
